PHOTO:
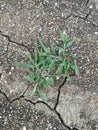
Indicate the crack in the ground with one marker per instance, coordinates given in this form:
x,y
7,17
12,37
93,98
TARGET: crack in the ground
x,y
86,18
5,95
9,39
59,91
18,98
81,17
55,106
34,103
53,110
13,100
86,3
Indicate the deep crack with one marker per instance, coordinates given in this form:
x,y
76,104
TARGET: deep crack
x,y
15,99
62,121
34,103
59,91
57,102
54,110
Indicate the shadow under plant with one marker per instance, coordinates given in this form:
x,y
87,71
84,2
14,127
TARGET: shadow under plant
x,y
72,106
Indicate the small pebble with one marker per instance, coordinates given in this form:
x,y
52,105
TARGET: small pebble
x,y
96,33
56,4
24,128
90,7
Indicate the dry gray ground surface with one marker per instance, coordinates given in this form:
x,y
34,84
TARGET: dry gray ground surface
x,y
74,106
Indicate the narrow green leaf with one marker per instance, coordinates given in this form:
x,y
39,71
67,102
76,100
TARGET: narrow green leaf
x,y
24,65
60,69
31,60
35,54
67,75
63,39
44,83
31,73
68,66
50,67
29,79
50,81
37,76
52,47
43,46
42,96
73,56
34,90
61,51
70,43
49,60
76,67
41,62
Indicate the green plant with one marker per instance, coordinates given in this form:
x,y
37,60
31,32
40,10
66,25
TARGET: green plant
x,y
49,62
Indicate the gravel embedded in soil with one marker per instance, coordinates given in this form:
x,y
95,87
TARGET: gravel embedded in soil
x,y
21,115
23,22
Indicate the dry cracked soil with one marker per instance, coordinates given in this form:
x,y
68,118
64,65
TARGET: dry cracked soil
x,y
70,106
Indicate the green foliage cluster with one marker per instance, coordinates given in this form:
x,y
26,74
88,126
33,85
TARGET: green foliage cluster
x,y
49,62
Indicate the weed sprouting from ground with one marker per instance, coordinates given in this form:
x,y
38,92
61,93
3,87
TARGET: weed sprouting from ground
x,y
49,62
